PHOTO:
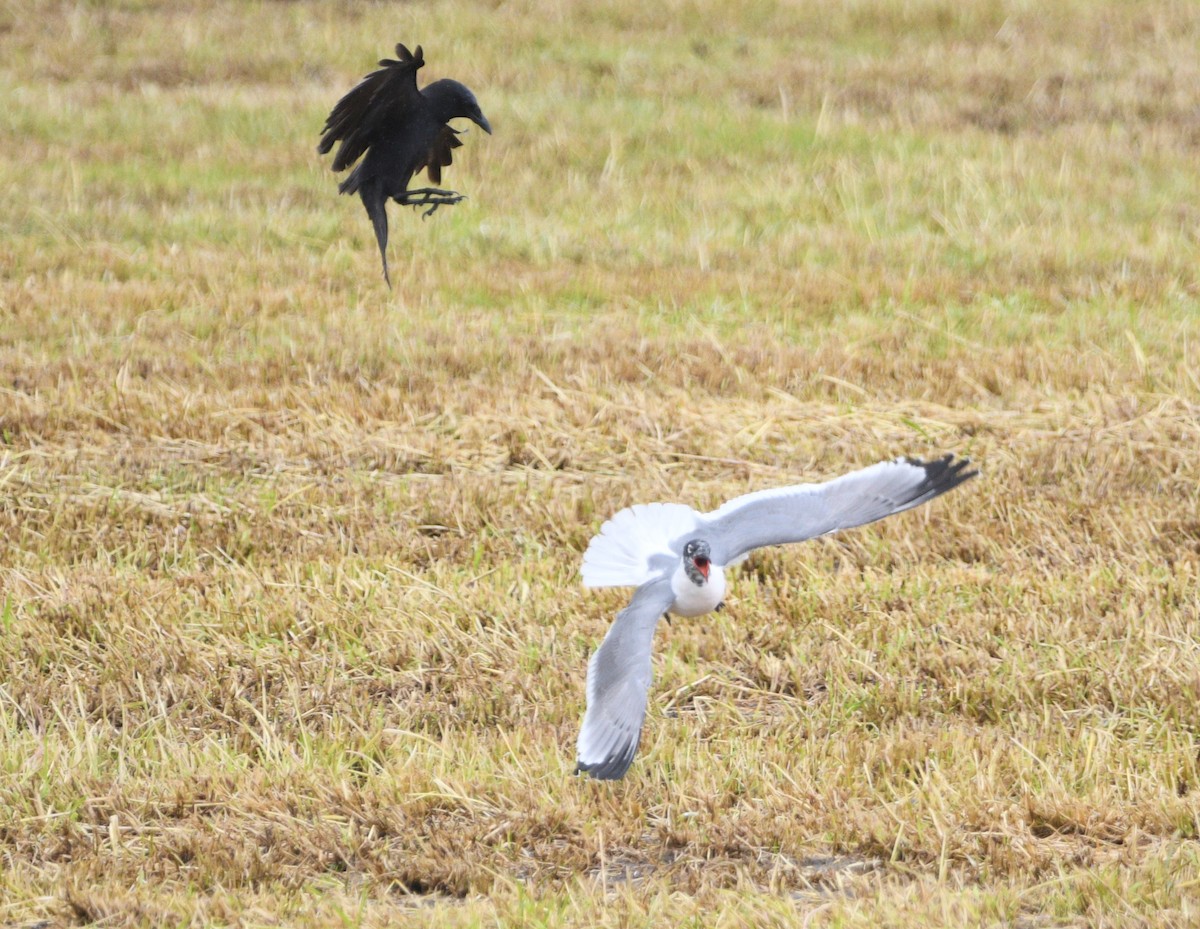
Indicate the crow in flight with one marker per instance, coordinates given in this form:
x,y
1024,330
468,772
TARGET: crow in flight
x,y
401,130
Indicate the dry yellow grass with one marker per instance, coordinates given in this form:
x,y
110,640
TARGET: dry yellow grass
x,y
290,623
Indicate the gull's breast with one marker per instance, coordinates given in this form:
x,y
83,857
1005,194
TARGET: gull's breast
x,y
691,600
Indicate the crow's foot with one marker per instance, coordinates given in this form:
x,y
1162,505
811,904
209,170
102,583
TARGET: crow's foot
x,y
430,197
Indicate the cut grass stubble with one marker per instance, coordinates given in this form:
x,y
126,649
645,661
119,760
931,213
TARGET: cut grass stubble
x,y
290,622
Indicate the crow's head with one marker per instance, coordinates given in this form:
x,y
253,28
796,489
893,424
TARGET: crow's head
x,y
452,100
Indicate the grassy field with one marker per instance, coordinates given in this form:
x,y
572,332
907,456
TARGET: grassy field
x,y
291,629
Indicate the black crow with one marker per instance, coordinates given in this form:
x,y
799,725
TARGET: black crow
x,y
401,130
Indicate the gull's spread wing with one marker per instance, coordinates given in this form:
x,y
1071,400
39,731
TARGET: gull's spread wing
x,y
804,511
618,682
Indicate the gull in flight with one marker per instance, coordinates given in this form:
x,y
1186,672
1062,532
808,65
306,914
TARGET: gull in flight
x,y
676,558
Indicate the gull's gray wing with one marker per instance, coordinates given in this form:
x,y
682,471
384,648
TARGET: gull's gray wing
x,y
804,511
618,681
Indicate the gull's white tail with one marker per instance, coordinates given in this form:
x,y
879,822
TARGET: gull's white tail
x,y
620,556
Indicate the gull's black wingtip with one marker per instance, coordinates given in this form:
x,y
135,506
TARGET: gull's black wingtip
x,y
612,768
942,474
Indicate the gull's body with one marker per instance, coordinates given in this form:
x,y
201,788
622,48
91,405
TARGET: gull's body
x,y
676,556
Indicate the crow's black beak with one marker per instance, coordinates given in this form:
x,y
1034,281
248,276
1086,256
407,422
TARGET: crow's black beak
x,y
483,124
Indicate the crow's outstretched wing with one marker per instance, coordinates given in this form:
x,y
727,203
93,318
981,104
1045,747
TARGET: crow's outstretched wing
x,y
439,156
379,102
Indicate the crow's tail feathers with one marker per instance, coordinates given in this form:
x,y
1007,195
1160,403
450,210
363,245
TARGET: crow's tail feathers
x,y
375,202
